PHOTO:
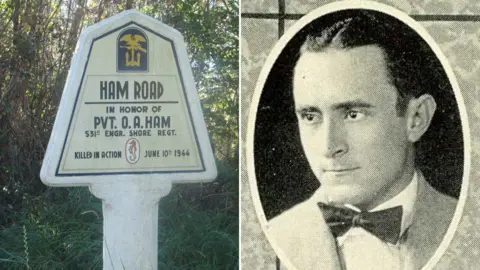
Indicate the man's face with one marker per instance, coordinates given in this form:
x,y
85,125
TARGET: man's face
x,y
353,139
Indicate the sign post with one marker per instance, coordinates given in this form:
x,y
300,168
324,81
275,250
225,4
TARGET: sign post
x,y
129,125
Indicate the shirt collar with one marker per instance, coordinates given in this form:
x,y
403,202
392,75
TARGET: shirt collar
x,y
406,198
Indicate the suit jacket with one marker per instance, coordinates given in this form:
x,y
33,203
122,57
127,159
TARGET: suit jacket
x,y
301,234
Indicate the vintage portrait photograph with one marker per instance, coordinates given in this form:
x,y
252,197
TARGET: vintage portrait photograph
x,y
356,148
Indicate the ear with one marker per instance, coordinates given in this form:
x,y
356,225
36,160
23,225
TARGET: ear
x,y
420,113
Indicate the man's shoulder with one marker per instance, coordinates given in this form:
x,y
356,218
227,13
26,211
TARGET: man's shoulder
x,y
433,214
435,205
290,222
302,236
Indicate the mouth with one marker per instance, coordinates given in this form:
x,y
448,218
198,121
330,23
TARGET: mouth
x,y
340,170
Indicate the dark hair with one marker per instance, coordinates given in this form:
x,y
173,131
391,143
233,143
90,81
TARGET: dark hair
x,y
410,61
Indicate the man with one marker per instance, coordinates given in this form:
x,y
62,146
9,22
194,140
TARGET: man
x,y
361,104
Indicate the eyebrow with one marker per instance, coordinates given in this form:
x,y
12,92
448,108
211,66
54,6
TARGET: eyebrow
x,y
308,109
343,105
352,104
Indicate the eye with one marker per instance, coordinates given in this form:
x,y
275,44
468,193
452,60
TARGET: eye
x,y
310,118
354,115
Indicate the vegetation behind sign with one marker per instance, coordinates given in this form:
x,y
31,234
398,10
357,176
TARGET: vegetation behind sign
x,y
50,228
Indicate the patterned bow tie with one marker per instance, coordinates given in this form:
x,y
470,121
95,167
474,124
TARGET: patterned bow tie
x,y
385,224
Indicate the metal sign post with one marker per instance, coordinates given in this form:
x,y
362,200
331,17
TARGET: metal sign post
x,y
129,126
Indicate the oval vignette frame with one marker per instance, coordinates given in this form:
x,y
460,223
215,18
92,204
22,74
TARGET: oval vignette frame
x,y
262,79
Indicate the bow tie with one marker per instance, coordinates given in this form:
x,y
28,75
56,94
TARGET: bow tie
x,y
384,224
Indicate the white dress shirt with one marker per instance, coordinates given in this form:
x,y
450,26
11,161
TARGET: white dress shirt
x,y
359,249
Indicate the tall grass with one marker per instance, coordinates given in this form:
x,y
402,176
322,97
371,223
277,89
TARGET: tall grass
x,y
62,229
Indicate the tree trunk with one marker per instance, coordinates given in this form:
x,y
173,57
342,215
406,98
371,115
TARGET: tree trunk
x,y
71,41
129,4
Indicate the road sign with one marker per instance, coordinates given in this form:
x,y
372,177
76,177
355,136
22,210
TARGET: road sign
x,y
129,107
129,125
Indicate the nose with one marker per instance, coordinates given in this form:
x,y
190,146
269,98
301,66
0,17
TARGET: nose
x,y
334,144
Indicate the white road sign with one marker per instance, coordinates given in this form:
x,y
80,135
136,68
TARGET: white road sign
x,y
129,107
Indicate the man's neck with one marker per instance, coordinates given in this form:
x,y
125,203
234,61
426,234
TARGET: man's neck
x,y
391,191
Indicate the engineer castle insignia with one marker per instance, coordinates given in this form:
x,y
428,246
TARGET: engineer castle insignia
x,y
132,50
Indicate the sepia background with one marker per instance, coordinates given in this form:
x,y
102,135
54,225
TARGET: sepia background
x,y
455,26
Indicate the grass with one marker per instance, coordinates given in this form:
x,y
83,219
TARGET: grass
x,y
57,232
196,239
62,229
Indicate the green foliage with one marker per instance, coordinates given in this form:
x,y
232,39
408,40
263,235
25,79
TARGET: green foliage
x,y
63,231
194,226
211,35
61,228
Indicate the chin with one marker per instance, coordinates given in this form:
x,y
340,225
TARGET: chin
x,y
340,195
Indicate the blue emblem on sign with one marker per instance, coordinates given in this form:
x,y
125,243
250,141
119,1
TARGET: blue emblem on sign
x,y
132,51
